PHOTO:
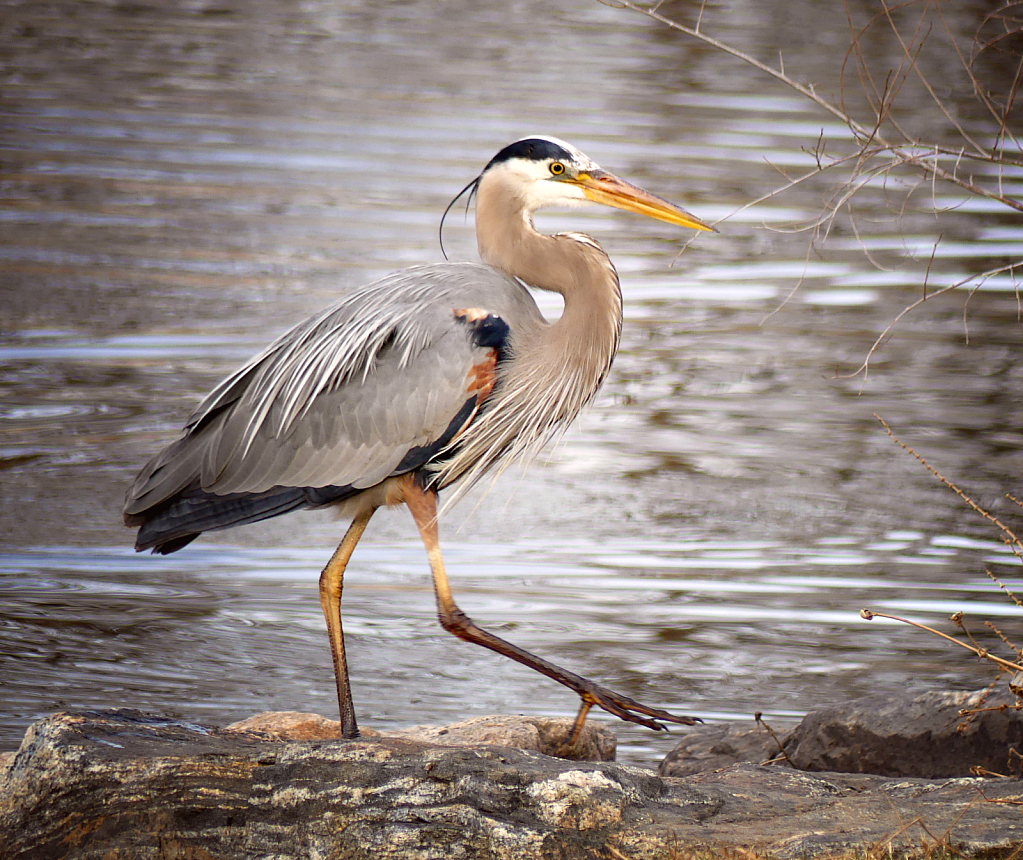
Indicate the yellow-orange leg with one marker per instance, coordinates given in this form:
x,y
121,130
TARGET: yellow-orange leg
x,y
331,581
423,506
580,721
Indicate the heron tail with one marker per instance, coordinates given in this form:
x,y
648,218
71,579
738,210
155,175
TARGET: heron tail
x,y
175,523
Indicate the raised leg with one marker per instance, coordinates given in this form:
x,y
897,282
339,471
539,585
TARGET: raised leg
x,y
423,506
331,581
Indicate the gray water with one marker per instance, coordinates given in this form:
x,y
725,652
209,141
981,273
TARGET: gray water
x,y
179,183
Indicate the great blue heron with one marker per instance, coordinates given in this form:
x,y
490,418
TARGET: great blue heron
x,y
431,375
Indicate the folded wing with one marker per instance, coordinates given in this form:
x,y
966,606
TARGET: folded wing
x,y
376,386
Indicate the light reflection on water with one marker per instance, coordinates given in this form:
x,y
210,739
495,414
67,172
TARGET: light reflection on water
x,y
698,626
180,187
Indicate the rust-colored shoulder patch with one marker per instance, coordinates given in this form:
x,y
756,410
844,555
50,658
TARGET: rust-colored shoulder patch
x,y
482,376
471,315
489,332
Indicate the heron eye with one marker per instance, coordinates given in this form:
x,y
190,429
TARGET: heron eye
x,y
557,168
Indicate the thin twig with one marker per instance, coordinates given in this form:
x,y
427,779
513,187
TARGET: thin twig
x,y
758,717
1005,639
1002,586
983,653
914,305
957,619
923,80
990,517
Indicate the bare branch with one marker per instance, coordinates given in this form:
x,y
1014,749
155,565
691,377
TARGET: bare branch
x,y
908,152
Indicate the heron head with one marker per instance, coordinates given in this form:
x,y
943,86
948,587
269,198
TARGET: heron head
x,y
546,172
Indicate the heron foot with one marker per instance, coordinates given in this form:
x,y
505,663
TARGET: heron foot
x,y
457,622
620,706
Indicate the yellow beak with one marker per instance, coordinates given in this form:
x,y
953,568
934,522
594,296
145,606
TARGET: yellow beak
x,y
606,188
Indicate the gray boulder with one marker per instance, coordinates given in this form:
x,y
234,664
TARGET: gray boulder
x,y
920,735
715,746
915,735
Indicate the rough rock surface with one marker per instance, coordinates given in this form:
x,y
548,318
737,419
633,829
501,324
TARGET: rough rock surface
x,y
918,736
596,742
923,736
121,784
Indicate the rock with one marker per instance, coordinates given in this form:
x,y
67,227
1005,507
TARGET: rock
x,y
121,784
801,815
294,726
920,736
540,734
712,747
596,742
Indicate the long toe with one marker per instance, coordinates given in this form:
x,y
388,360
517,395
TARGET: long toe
x,y
634,712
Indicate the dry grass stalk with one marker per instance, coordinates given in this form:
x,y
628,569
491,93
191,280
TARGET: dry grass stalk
x,y
782,755
1016,546
1008,536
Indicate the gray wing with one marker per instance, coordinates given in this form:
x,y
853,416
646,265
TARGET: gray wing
x,y
341,399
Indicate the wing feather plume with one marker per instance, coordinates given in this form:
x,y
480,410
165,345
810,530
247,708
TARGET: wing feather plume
x,y
343,398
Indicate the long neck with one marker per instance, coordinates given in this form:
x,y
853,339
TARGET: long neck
x,y
584,340
554,369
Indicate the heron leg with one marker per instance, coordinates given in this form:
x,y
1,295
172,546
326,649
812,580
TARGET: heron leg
x,y
331,580
580,721
423,506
